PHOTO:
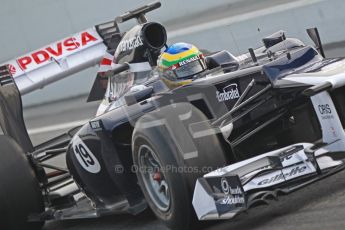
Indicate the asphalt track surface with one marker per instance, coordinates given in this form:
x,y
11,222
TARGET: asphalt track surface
x,y
319,206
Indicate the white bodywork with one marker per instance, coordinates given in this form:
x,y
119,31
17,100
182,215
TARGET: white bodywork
x,y
333,73
60,59
298,165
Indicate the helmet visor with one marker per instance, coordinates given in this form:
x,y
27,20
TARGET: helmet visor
x,y
189,69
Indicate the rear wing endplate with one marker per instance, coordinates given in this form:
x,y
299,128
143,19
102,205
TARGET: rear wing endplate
x,y
11,110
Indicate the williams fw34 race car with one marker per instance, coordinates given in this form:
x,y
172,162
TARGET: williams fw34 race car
x,y
247,129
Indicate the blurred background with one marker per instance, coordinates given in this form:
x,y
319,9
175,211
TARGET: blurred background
x,y
235,25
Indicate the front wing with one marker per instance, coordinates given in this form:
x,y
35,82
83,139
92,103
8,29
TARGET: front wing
x,y
229,191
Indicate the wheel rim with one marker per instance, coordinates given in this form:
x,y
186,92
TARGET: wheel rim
x,y
153,178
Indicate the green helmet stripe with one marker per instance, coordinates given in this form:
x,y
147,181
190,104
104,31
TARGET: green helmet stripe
x,y
167,64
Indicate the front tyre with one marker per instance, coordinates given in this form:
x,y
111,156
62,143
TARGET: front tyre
x,y
166,176
165,192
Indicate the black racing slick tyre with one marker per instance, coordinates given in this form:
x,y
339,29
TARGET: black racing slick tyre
x,y
170,157
20,194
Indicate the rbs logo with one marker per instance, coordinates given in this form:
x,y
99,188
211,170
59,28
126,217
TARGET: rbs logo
x,y
324,109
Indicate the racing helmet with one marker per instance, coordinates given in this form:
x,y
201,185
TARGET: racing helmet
x,y
179,64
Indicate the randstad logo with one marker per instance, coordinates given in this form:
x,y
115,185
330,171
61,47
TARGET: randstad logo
x,y
229,92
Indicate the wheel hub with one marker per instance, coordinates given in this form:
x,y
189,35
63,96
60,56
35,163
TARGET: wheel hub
x,y
153,178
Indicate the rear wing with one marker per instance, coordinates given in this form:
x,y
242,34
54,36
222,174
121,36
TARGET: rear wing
x,y
65,57
47,65
73,54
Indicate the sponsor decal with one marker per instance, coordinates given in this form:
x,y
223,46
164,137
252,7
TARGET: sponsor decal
x,y
130,44
96,125
325,111
232,195
56,50
228,194
84,156
184,62
233,200
292,155
284,158
300,169
12,69
230,92
227,189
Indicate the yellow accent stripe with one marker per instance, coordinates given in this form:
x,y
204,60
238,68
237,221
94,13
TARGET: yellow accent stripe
x,y
173,57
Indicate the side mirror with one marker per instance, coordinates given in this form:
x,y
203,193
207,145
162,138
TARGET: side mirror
x,y
274,39
138,93
230,67
315,37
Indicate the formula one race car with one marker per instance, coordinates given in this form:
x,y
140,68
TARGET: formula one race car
x,y
246,130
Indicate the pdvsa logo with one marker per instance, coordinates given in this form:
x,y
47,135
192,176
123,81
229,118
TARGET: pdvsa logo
x,y
12,69
57,50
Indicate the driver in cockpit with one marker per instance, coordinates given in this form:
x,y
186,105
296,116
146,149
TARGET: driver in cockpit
x,y
179,64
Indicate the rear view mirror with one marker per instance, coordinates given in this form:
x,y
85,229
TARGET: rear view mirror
x,y
138,93
274,39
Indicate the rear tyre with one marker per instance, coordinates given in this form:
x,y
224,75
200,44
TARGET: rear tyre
x,y
166,174
20,194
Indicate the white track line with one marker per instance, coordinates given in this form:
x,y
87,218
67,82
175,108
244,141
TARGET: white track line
x,y
52,128
238,18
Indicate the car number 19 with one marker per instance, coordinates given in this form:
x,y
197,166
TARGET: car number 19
x,y
84,156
